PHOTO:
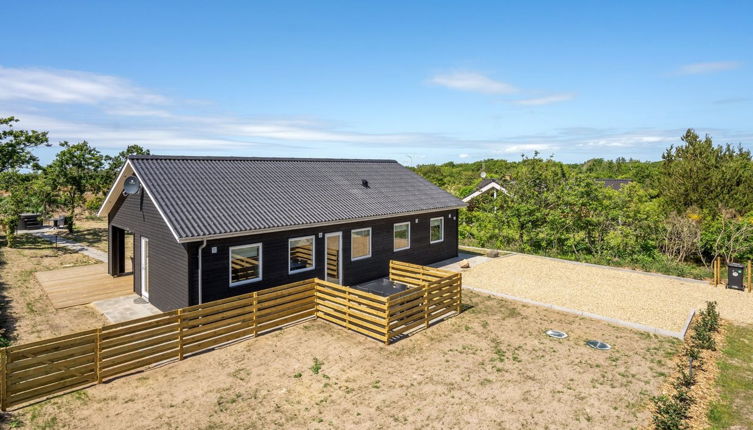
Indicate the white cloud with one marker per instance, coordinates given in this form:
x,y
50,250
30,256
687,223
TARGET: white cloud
x,y
526,147
473,82
546,100
72,87
463,155
710,67
627,140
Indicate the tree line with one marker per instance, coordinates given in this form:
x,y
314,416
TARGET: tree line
x,y
78,176
675,216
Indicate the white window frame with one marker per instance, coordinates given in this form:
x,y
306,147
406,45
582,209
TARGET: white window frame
x,y
313,254
441,223
394,227
363,257
230,265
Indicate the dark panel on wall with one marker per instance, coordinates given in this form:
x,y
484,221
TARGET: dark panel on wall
x,y
215,262
167,258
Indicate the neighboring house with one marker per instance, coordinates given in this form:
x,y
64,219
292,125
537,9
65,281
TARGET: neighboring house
x,y
488,185
615,184
207,228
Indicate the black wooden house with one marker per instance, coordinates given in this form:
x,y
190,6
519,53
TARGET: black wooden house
x,y
206,228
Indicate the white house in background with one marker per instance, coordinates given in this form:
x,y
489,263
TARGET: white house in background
x,y
486,186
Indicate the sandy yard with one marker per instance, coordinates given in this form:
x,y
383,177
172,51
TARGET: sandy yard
x,y
490,367
27,313
657,301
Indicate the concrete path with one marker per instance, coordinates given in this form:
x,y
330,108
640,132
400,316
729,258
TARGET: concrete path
x,y
125,308
61,241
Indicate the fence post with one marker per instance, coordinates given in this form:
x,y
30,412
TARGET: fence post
x,y
180,334
98,354
426,304
459,278
4,379
750,276
717,270
254,309
387,323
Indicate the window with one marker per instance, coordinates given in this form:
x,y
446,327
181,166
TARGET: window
x,y
245,264
401,236
436,230
360,243
301,254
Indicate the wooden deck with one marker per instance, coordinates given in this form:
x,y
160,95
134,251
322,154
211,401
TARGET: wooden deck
x,y
82,285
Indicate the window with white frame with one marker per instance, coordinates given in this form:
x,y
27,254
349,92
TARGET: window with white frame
x,y
245,264
401,236
301,254
360,243
436,230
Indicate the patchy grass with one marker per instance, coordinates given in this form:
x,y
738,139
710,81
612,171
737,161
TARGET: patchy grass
x,y
490,367
90,232
26,314
734,409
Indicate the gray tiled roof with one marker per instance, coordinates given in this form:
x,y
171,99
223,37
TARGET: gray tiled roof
x,y
615,184
209,196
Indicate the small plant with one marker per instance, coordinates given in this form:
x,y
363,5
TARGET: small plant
x,y
693,353
712,317
297,375
670,413
683,396
685,378
499,354
702,338
317,366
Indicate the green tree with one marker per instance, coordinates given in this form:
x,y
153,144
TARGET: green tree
x,y
701,174
76,170
115,163
16,145
15,153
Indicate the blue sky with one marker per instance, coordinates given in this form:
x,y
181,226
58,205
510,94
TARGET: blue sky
x,y
414,81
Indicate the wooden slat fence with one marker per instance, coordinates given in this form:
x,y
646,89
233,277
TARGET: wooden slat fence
x,y
41,369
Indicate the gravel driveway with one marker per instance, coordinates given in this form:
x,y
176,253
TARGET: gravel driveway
x,y
653,300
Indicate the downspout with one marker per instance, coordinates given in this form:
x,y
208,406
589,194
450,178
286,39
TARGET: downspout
x,y
201,249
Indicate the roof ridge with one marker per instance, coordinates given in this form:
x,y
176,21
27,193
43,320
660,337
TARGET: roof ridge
x,y
234,158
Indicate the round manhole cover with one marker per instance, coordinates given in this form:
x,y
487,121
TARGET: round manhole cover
x,y
556,334
597,344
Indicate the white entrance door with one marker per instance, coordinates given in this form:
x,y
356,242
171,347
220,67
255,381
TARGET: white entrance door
x,y
145,268
333,264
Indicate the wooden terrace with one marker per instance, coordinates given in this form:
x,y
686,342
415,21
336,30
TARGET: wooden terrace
x,y
73,286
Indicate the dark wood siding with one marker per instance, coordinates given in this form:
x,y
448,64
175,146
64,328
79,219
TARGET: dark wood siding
x,y
169,268
215,262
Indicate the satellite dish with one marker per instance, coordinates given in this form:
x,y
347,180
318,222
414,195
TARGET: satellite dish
x,y
131,185
483,174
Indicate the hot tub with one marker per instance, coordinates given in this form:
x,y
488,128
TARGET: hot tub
x,y
382,287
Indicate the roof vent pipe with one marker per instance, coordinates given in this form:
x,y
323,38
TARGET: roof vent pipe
x,y
365,183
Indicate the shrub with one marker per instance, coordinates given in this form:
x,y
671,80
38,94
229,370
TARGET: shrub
x,y
702,339
694,354
685,378
94,203
683,396
9,224
710,317
670,413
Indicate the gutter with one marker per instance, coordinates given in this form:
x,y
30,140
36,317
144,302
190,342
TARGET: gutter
x,y
201,250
